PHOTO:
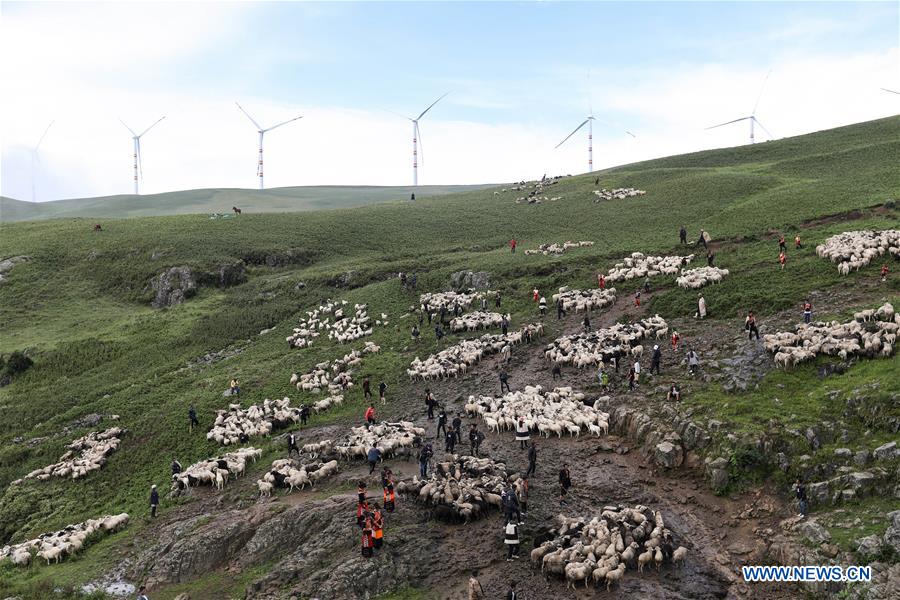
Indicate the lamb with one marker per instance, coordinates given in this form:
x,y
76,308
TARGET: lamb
x,y
55,546
697,278
852,250
85,454
265,488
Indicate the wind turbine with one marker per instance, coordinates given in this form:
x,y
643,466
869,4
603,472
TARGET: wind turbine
x,y
589,121
417,139
35,158
262,132
891,91
138,167
752,118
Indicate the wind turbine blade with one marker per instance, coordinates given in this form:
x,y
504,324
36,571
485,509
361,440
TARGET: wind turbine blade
x,y
249,117
43,136
127,127
152,126
283,123
891,91
729,122
755,120
631,134
429,107
758,98
571,134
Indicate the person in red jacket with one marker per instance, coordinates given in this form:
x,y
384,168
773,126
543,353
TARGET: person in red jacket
x,y
675,339
782,258
512,246
535,295
370,415
601,281
368,541
884,272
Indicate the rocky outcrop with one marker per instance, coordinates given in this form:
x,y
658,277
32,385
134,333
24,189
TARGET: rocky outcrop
x,y
463,280
886,452
173,286
668,455
232,274
892,534
7,264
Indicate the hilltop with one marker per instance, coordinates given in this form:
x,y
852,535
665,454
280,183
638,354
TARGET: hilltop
x,y
79,303
208,201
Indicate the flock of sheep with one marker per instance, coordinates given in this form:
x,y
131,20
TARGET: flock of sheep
x,y
320,377
854,249
214,471
585,300
433,301
694,279
554,248
334,318
604,547
477,320
392,440
456,360
604,345
236,425
462,489
872,332
87,453
617,194
557,411
639,266
54,546
290,473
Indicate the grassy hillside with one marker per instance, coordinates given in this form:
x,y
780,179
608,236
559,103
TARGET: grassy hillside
x,y
290,199
80,305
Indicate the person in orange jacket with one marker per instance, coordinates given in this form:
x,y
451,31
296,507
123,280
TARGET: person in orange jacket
x,y
370,415
378,527
389,498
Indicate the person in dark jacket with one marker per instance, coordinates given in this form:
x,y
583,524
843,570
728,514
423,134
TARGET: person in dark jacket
x,y
373,456
192,415
560,311
710,258
532,459
154,501
292,445
556,372
750,326
511,539
429,403
586,323
304,414
682,235
504,381
442,423
438,332
800,492
382,388
450,440
424,456
176,467
473,440
367,388
497,300
565,482
457,424
511,593
655,359
504,325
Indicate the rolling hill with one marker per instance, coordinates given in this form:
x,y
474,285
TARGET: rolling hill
x,y
79,304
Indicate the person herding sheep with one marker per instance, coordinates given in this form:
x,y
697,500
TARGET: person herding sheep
x,y
565,482
807,312
701,306
586,323
522,433
441,424
601,281
781,243
655,359
450,440
511,534
682,235
430,403
382,388
542,306
373,456
693,361
512,246
424,457
504,381
750,326
800,492
884,272
532,460
192,415
235,387
370,415
556,371
637,371
154,500
782,259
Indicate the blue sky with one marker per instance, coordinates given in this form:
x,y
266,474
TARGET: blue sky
x,y
518,74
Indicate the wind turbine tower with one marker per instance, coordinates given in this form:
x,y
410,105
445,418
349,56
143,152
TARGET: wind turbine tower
x,y
36,159
136,138
262,132
417,140
752,118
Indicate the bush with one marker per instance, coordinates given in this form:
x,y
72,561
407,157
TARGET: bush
x,y
15,364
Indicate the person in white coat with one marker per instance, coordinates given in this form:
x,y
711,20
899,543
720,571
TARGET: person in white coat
x,y
522,433
701,306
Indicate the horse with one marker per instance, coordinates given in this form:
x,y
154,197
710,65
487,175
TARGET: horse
x,y
236,210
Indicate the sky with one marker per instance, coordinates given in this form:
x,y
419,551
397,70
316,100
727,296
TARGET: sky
x,y
520,76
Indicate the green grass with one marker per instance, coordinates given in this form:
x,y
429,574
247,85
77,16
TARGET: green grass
x,y
80,306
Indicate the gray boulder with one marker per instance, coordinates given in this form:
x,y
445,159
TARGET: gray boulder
x,y
468,279
843,453
232,274
173,286
7,264
668,455
868,546
892,535
861,458
813,531
886,452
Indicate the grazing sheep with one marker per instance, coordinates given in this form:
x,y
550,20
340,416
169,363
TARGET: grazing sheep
x,y
854,249
617,194
639,266
697,278
92,451
214,471
392,439
554,248
55,546
236,425
265,489
477,320
332,318
585,300
604,345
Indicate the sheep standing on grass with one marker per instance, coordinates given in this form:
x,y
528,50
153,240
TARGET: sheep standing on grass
x,y
87,453
852,250
53,547
697,278
604,345
584,300
639,266
214,471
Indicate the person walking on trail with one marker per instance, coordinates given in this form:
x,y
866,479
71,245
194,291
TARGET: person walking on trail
x,y
522,433
483,302
800,492
304,413
429,403
647,284
504,381
586,323
601,281
390,497
450,440
515,512
523,497
675,339
797,244
378,527
442,424
425,455
235,387
373,456
512,246
565,482
781,244
367,388
807,312
457,425
682,235
476,592
475,439
750,326
176,467
370,415
504,325
192,415
511,534
542,306
693,361
782,259
532,460
637,298
655,359
884,272
382,388
292,445
637,371
556,372
560,309
361,492
701,306
631,379
154,501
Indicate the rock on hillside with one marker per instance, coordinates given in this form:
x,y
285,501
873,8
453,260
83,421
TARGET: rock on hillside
x,y
6,265
173,286
463,280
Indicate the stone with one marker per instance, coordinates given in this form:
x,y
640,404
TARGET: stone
x,y
668,455
886,451
861,458
843,452
7,265
813,531
829,550
818,493
232,274
868,546
860,481
173,286
480,280
892,534
182,596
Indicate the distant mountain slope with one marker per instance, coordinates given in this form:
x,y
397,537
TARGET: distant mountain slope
x,y
289,199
